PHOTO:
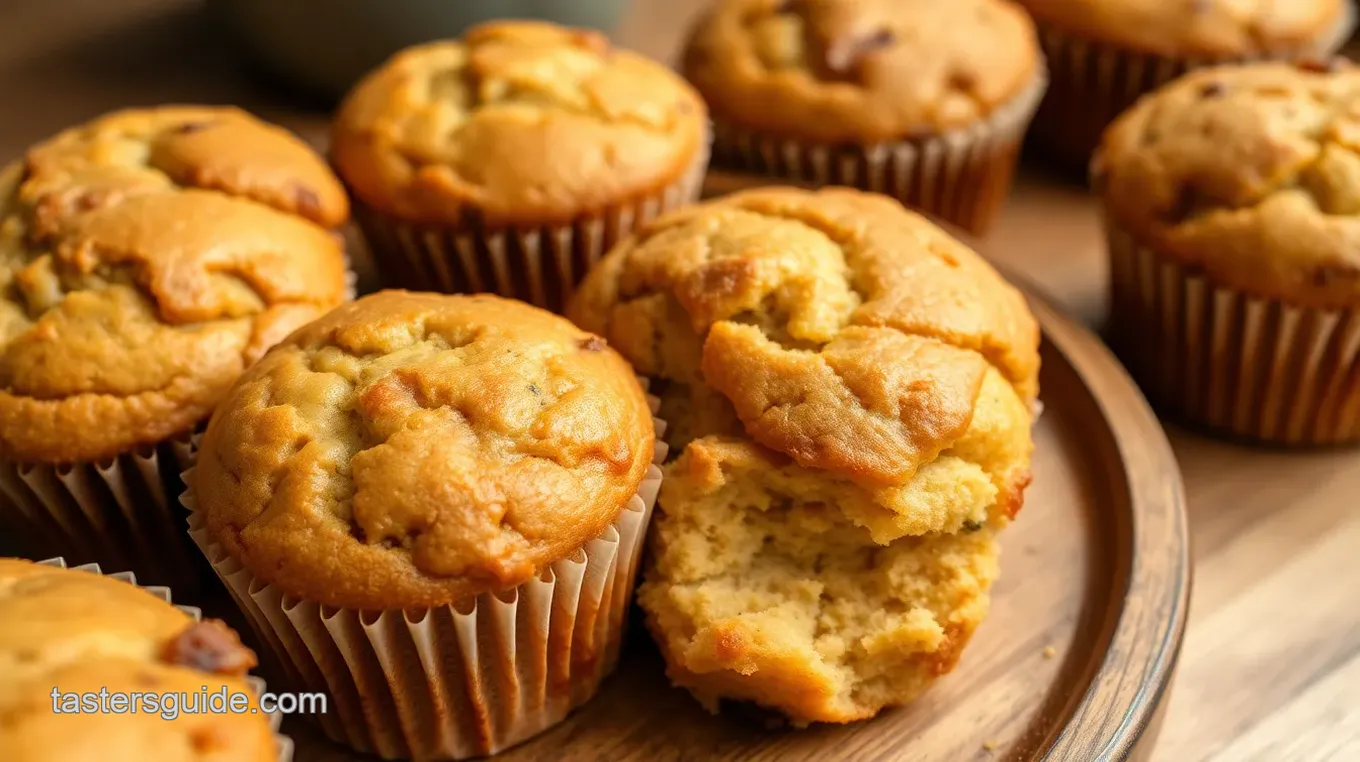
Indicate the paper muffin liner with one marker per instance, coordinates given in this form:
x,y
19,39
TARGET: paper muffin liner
x,y
961,176
1250,367
541,265
257,685
1094,83
462,680
120,512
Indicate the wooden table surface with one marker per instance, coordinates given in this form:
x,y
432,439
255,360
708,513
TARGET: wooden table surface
x,y
1270,669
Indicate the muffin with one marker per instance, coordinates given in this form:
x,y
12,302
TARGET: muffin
x,y
510,160
922,100
1105,54
850,392
66,635
146,258
431,507
1232,204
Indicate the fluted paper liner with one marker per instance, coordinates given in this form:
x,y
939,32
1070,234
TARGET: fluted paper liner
x,y
960,176
116,512
462,680
1247,366
1094,83
539,265
257,685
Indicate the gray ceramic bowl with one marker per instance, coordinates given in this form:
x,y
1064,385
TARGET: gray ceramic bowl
x,y
324,46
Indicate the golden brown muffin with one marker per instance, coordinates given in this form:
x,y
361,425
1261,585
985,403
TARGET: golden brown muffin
x,y
515,123
1250,174
1232,202
79,632
1105,54
788,604
413,450
860,71
1211,29
833,326
853,392
925,101
145,259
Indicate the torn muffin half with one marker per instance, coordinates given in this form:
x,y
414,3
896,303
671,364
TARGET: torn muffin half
x,y
850,393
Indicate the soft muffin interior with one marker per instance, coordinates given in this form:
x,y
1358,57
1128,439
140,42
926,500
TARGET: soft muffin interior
x,y
774,595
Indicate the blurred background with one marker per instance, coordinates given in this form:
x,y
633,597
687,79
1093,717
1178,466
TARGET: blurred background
x,y
65,61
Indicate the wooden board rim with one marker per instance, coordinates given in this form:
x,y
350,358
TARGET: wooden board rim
x,y
1155,516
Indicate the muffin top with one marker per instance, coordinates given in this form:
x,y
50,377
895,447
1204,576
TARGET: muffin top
x,y
79,632
860,70
1251,174
411,450
517,122
1201,28
145,259
845,332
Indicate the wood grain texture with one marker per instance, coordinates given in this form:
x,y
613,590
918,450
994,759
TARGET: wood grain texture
x,y
1269,668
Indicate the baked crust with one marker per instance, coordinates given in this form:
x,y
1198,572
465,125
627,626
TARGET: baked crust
x,y
145,259
860,71
412,450
1215,29
515,123
1248,173
837,327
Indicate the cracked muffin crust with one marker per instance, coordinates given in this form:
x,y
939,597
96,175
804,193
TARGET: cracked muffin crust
x,y
82,632
852,390
1195,28
413,450
860,71
832,326
516,123
1250,174
146,258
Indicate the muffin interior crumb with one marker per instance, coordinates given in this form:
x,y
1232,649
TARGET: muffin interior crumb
x,y
772,594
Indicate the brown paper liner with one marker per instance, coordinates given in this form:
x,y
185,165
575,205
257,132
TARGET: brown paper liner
x,y
462,680
257,685
961,176
1094,83
539,265
1254,368
120,513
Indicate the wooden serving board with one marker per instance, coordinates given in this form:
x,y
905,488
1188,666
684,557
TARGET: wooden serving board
x,y
1072,665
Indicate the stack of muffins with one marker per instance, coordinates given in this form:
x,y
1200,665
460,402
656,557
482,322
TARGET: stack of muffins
x,y
432,507
850,391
